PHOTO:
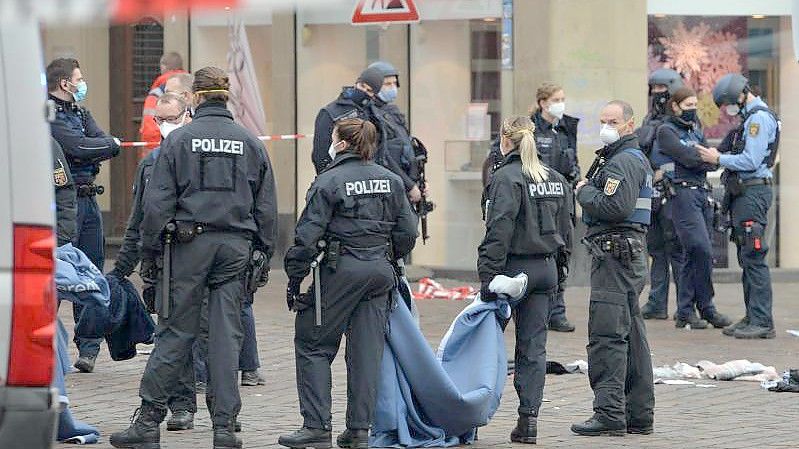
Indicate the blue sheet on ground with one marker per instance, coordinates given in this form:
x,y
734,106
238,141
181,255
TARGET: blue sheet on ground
x,y
429,400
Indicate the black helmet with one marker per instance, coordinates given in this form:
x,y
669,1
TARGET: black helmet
x,y
386,68
666,77
729,88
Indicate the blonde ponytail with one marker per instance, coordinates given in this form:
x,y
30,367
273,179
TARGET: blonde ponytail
x,y
520,131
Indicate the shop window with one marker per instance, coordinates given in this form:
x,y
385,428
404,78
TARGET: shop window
x,y
486,59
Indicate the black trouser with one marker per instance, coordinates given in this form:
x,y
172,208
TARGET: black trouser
x,y
212,262
355,302
667,255
619,362
749,221
530,317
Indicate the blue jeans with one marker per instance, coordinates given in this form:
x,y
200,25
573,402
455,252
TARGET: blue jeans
x,y
89,239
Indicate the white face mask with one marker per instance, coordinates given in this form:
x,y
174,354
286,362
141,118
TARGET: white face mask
x,y
557,109
166,128
733,109
608,134
332,150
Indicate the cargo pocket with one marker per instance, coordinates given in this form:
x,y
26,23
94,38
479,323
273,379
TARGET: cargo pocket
x,y
547,211
608,315
218,172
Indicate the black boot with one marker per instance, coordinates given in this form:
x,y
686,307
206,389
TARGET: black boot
x,y
526,430
143,432
594,428
225,437
353,438
180,420
307,437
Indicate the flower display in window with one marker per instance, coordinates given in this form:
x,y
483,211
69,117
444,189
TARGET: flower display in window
x,y
723,58
686,51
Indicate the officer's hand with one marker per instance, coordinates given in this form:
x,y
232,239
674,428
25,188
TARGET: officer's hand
x,y
148,297
415,195
709,155
487,295
148,271
115,273
264,279
293,292
580,185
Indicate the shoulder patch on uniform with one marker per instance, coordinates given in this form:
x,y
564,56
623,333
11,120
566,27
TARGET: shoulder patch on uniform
x,y
60,177
611,185
754,129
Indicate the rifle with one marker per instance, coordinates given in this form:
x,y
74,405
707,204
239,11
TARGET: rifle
x,y
424,206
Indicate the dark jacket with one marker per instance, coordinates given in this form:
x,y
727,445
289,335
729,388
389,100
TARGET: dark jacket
x,y
66,208
524,218
129,322
398,140
214,172
129,254
85,145
674,148
344,107
612,194
557,144
360,204
648,131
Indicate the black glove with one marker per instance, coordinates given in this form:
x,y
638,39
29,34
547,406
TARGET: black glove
x,y
148,298
562,262
293,292
148,271
487,295
264,279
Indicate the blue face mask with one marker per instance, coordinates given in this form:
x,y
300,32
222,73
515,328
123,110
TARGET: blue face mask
x,y
388,95
80,93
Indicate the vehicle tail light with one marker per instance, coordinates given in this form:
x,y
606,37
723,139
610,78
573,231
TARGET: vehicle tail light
x,y
32,357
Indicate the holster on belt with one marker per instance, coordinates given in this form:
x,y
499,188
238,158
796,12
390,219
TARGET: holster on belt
x,y
623,247
186,231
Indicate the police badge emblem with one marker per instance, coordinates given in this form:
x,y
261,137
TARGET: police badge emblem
x,y
754,128
611,185
60,177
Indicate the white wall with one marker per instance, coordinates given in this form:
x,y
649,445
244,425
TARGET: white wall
x,y
789,141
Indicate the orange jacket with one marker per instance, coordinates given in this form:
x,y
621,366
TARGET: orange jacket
x,y
149,132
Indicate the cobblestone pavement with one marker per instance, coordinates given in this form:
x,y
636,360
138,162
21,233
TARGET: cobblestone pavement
x,y
732,415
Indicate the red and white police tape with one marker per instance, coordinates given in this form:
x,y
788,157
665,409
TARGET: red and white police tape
x,y
264,138
430,289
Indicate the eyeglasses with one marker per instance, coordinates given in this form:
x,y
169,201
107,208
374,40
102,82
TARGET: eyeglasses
x,y
173,119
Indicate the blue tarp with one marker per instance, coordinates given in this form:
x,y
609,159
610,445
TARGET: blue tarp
x,y
425,400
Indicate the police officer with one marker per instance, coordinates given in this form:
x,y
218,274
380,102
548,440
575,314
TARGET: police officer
x,y
528,230
85,146
676,147
662,242
358,101
213,184
615,199
65,199
171,112
556,141
362,213
397,134
747,179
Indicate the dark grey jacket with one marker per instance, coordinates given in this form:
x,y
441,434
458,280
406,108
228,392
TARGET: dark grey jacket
x,y
215,173
129,254
361,204
523,217
66,208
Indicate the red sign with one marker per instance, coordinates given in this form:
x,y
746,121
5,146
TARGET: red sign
x,y
384,11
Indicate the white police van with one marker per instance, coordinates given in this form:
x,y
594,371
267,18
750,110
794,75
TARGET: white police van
x,y
28,405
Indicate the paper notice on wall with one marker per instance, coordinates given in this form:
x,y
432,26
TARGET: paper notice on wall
x,y
478,122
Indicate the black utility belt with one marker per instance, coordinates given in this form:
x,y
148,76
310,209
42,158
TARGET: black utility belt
x,y
757,182
531,256
89,190
186,231
691,185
